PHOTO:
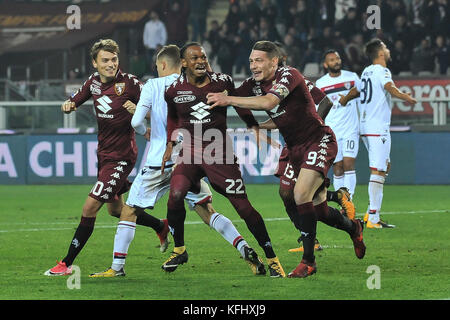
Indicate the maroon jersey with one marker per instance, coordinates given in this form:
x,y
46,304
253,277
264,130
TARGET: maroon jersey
x,y
187,109
116,138
295,116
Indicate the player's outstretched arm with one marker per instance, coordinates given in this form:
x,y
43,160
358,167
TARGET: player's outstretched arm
x,y
68,106
352,94
394,91
266,102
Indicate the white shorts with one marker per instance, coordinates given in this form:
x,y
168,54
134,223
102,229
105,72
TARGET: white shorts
x,y
379,149
348,146
150,185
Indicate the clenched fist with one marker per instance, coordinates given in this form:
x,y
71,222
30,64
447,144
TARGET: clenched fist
x,y
68,106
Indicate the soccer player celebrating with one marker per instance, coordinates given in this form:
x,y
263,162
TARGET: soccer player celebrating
x,y
150,184
112,90
207,151
282,93
285,170
375,90
342,120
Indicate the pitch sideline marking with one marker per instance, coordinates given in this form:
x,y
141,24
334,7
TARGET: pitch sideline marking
x,y
106,226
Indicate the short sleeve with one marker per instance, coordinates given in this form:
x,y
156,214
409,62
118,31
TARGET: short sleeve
x,y
286,81
385,76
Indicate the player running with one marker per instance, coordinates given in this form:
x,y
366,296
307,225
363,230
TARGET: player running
x,y
342,120
207,151
285,171
375,90
112,90
282,93
150,184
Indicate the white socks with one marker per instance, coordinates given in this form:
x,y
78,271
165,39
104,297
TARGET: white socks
x,y
376,184
225,227
338,182
350,181
124,236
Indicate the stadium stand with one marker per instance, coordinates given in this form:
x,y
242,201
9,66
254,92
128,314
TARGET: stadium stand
x,y
44,61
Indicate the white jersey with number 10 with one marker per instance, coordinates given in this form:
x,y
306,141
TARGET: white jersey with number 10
x,y
375,101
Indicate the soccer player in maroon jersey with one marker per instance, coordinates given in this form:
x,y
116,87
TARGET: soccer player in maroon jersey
x,y
285,171
112,91
207,151
282,92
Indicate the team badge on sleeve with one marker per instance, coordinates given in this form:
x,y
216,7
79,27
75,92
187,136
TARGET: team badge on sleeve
x,y
281,90
119,88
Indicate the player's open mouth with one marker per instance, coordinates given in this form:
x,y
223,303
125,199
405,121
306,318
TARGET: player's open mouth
x,y
256,73
200,68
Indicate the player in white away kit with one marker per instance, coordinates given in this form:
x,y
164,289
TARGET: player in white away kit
x,y
375,90
344,121
151,184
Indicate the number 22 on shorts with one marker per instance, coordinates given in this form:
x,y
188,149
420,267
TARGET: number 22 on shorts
x,y
236,184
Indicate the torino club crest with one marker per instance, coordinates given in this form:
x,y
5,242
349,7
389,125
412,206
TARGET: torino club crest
x,y
119,88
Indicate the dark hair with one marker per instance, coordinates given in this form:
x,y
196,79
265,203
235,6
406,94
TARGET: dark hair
x,y
283,55
186,46
171,53
372,48
328,52
269,47
106,45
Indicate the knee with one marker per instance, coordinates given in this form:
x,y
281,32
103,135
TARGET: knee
x,y
177,196
349,164
176,200
287,195
114,212
90,208
320,196
302,195
338,170
127,213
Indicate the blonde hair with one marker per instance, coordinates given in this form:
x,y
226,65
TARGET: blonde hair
x,y
106,45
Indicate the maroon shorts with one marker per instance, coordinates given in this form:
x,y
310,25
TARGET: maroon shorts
x,y
285,171
282,162
112,179
317,154
226,179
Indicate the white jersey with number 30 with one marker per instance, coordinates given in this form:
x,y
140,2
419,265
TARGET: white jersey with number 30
x,y
375,101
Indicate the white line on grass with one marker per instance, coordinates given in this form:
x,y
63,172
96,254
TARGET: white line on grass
x,y
106,226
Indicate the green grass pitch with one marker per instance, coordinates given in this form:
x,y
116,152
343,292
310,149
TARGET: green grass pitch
x,y
38,222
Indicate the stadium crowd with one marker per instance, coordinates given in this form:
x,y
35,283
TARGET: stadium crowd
x,y
417,31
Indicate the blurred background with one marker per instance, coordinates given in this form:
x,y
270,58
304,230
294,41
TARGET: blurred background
x,y
42,60
44,53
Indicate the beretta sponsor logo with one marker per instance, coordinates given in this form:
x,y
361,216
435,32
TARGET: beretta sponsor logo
x,y
184,98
